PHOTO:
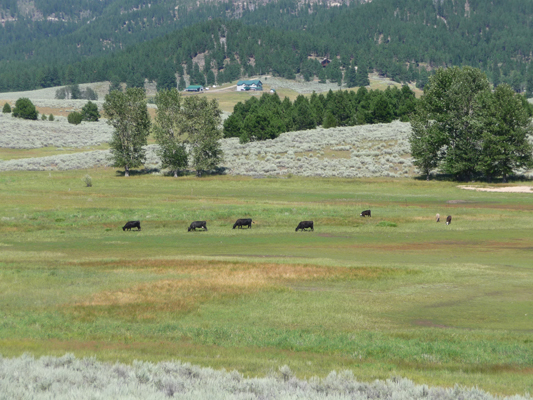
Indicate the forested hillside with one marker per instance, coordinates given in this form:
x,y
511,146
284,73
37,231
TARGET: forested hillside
x,y
130,41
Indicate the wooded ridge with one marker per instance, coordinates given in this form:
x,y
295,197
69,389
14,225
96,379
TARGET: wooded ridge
x,y
85,42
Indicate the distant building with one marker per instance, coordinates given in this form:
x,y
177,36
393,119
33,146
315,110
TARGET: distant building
x,y
194,88
254,84
325,62
272,90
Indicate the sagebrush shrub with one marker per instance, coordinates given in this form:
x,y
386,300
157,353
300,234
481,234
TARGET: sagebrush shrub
x,y
88,180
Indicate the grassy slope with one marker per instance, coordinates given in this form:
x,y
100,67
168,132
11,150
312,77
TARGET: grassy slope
x,y
438,304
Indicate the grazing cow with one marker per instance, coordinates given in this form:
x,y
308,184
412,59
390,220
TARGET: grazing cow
x,y
132,224
365,213
437,217
305,225
243,222
448,220
197,224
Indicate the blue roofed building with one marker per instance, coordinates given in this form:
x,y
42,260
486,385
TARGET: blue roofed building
x,y
254,84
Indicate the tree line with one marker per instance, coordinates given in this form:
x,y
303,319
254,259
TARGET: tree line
x,y
269,116
463,128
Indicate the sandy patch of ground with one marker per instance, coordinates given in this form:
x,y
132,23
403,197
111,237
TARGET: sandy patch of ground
x,y
508,189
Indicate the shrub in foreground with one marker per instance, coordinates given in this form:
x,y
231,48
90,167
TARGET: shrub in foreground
x,y
7,108
70,378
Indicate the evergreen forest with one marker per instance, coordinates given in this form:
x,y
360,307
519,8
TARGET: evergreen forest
x,y
51,43
268,116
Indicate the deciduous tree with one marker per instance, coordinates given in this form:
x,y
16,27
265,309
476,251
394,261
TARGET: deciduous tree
x,y
447,110
128,115
505,129
201,124
168,132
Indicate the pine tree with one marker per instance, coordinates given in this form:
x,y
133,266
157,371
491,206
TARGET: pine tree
x,y
496,74
329,120
182,85
362,76
350,77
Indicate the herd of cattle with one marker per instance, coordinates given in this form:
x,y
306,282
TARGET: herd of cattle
x,y
248,222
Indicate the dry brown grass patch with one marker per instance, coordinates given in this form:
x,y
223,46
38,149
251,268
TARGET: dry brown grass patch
x,y
186,284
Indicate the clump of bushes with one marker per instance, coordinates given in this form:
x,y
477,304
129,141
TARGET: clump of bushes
x,y
74,92
7,108
51,117
75,118
25,109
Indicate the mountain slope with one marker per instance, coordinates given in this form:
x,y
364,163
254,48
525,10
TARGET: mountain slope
x,y
399,39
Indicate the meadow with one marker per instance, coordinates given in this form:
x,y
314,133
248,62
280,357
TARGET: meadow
x,y
392,295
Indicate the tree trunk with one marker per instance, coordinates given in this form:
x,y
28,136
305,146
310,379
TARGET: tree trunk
x,y
427,176
126,171
175,173
504,178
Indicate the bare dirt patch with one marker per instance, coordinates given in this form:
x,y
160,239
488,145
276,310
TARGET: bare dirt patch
x,y
506,189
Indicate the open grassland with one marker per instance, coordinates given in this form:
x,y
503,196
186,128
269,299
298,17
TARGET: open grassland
x,y
392,295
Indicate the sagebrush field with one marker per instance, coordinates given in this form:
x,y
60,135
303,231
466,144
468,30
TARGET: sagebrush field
x,y
392,295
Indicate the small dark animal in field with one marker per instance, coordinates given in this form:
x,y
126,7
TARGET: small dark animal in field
x,y
365,213
197,224
243,222
132,224
437,218
305,225
448,220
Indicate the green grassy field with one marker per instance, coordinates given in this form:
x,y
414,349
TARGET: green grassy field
x,y
395,294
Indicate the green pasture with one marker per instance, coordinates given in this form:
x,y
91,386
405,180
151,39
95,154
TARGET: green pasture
x,y
392,295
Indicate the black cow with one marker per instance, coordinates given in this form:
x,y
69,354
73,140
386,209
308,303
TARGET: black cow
x,y
197,224
448,220
243,222
132,224
305,225
365,213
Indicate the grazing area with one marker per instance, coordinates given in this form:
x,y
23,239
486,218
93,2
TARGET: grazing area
x,y
394,295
